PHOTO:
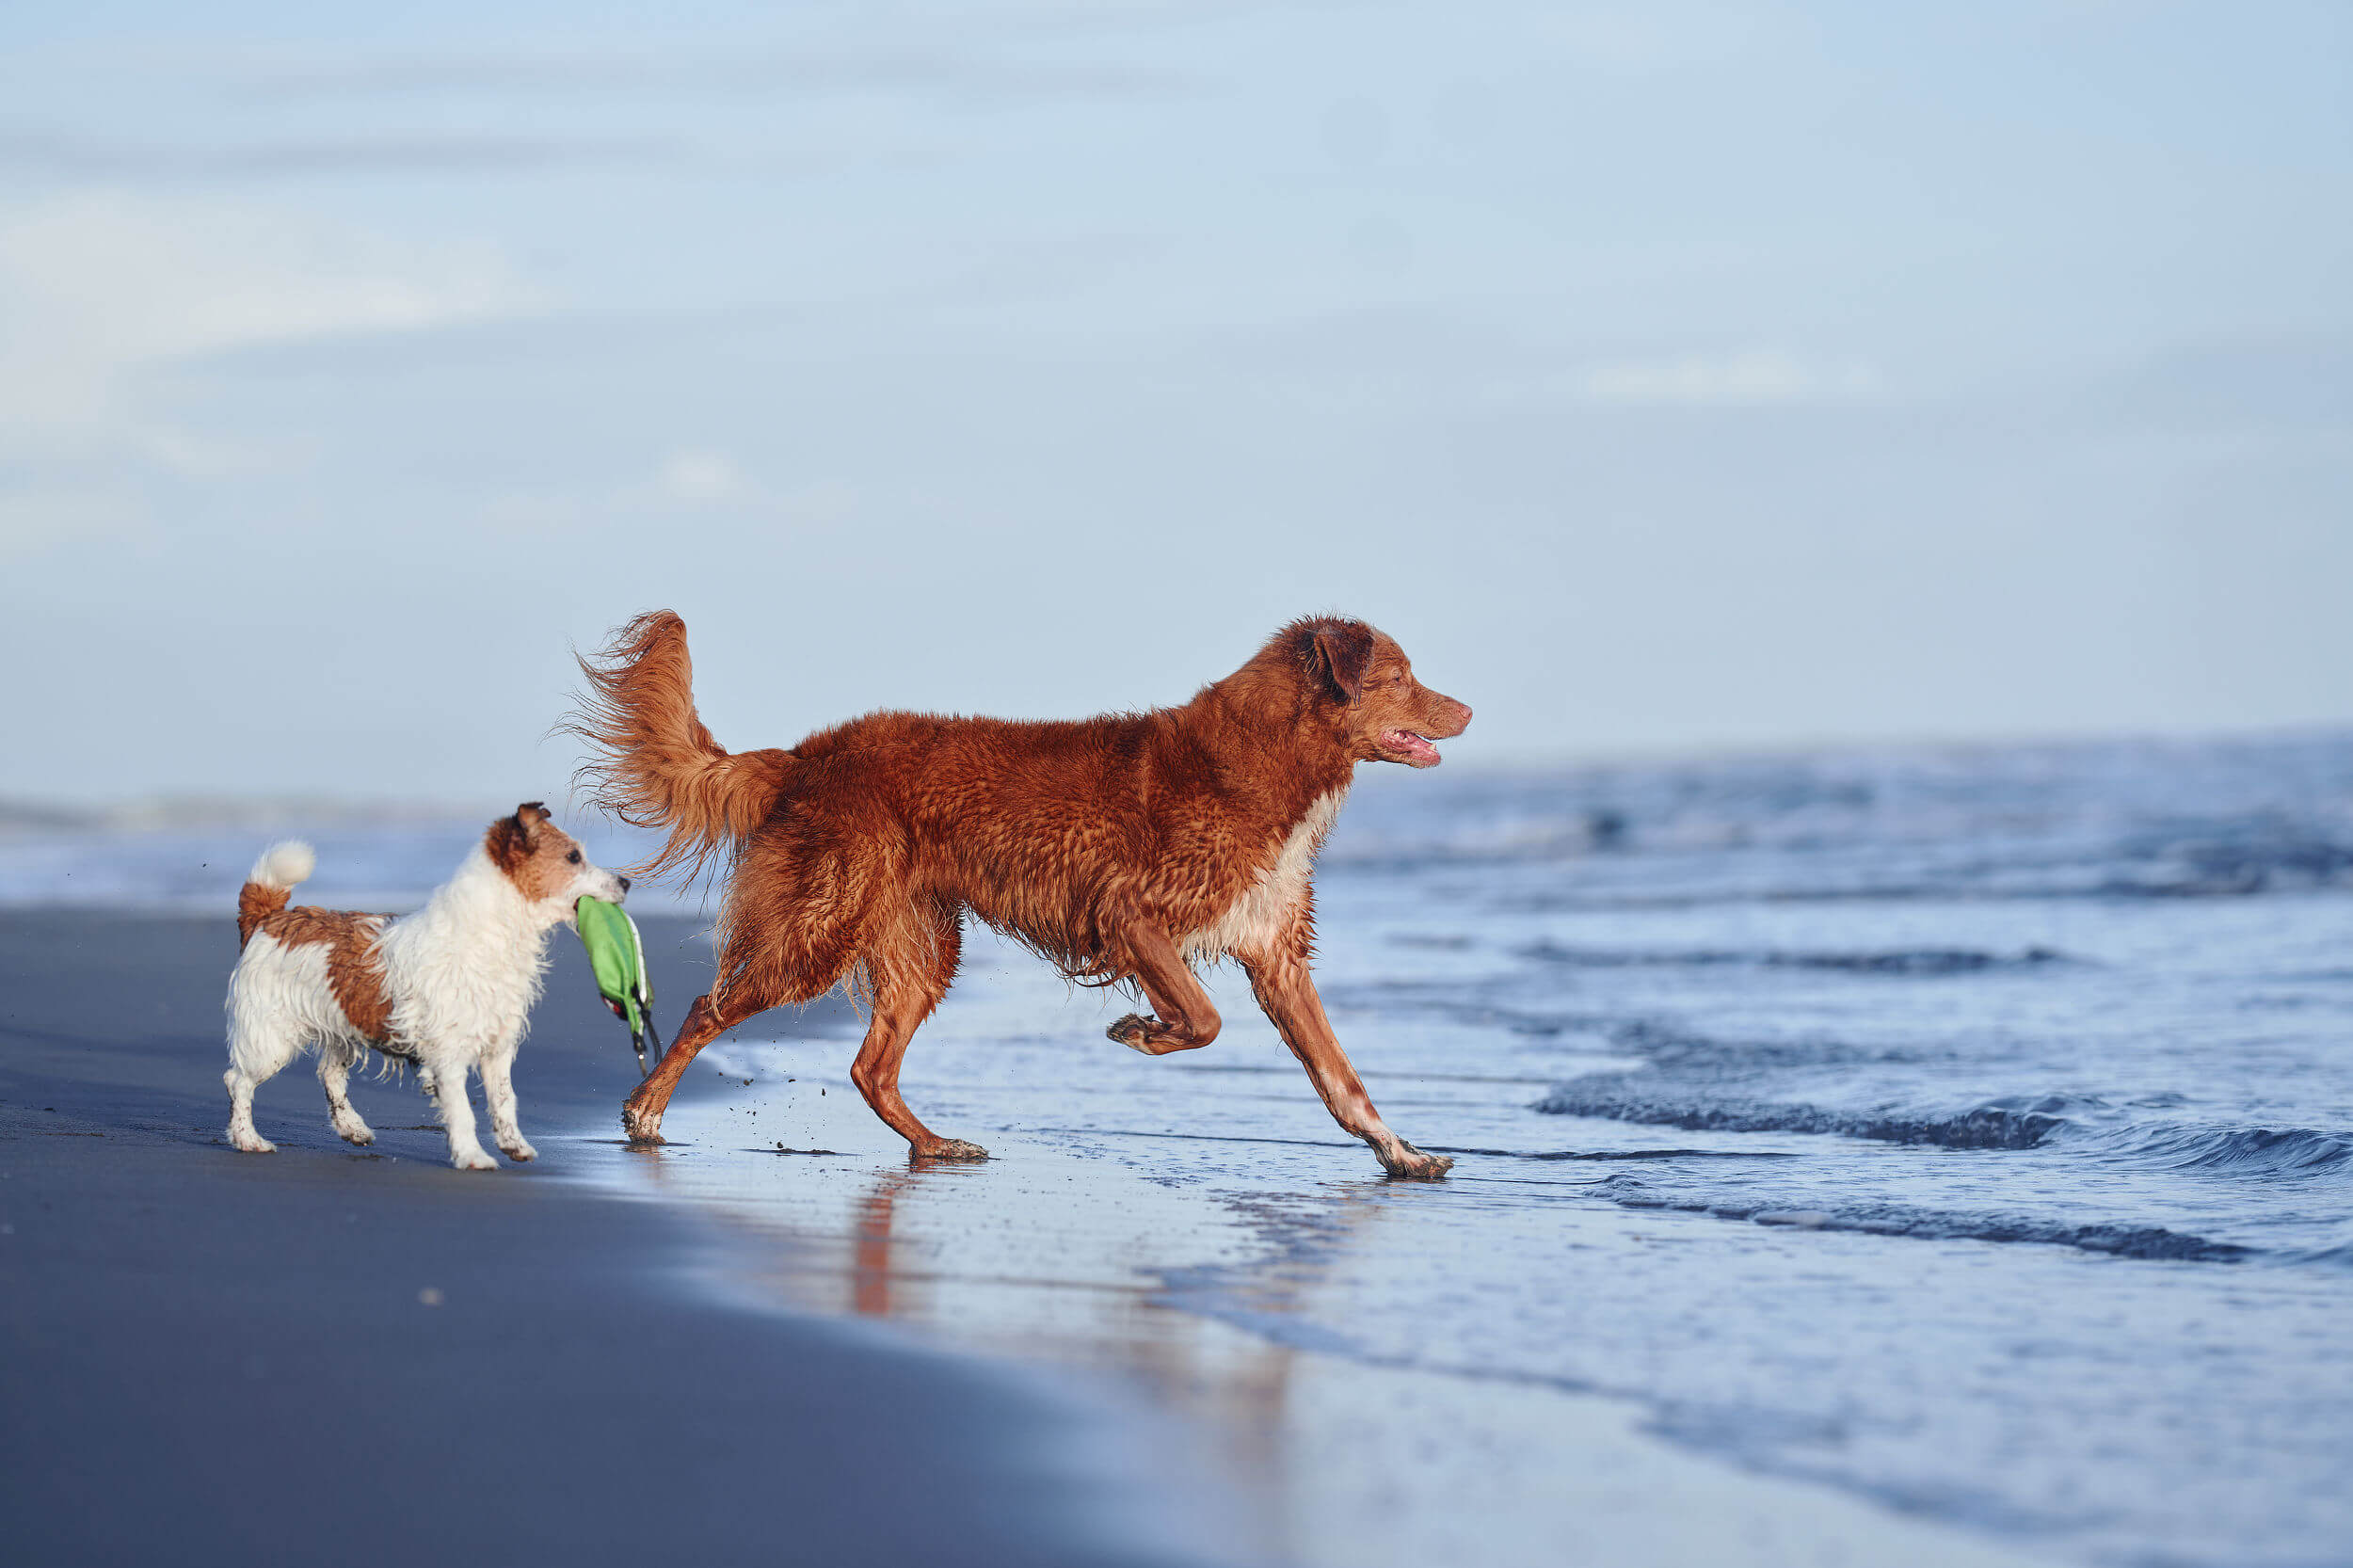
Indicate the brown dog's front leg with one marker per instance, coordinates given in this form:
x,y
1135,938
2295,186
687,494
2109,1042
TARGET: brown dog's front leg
x,y
1287,992
1183,1018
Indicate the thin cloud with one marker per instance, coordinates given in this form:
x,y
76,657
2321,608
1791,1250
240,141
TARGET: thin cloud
x,y
1733,380
105,285
69,157
701,481
970,76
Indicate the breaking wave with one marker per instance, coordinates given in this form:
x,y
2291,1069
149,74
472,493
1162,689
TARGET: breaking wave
x,y
2081,1124
2121,1240
1930,962
1999,1125
2254,1151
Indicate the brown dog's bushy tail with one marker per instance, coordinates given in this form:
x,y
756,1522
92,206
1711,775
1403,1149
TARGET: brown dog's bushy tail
x,y
652,763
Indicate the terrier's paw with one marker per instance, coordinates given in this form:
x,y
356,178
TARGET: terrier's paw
x,y
473,1160
950,1148
1413,1165
250,1142
518,1151
356,1133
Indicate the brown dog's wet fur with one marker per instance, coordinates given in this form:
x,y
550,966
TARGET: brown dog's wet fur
x,y
1119,848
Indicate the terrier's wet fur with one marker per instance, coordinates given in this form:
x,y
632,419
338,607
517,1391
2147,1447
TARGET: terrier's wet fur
x,y
447,989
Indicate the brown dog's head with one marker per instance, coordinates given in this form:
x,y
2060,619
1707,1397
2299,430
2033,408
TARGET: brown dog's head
x,y
1384,714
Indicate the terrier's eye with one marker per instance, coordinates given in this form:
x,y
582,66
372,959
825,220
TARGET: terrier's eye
x,y
574,857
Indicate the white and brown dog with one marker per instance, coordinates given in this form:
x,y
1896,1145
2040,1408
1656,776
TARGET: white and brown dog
x,y
448,988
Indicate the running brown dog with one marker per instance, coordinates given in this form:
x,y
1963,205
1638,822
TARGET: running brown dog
x,y
1119,848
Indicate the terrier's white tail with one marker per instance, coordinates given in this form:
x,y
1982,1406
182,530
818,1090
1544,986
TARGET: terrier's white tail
x,y
265,887
284,865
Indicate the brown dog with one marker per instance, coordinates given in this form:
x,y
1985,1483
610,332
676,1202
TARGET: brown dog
x,y
1118,848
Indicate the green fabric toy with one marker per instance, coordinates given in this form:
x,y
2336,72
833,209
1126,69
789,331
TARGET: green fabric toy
x,y
618,959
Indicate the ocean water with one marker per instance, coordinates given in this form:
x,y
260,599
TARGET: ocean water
x,y
1967,1131
2036,1065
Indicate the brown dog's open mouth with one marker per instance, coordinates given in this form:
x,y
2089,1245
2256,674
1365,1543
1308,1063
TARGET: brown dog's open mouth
x,y
1404,745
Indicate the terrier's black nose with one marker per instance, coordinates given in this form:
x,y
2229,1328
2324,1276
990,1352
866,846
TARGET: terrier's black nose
x,y
624,883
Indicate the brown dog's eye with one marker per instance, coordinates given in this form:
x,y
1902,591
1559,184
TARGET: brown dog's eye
x,y
574,857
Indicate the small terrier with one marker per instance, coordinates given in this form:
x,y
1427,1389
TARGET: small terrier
x,y
447,988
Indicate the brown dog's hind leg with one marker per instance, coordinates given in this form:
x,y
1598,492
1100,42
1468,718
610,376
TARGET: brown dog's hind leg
x,y
782,946
705,1021
1183,1017
909,969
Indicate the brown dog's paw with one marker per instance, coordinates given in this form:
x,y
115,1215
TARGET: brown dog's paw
x,y
949,1149
643,1129
1153,1037
1411,1164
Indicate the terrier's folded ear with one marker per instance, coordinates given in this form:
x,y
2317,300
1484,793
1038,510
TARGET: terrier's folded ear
x,y
510,840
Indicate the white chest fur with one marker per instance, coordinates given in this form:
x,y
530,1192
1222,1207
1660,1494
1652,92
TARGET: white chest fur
x,y
1265,909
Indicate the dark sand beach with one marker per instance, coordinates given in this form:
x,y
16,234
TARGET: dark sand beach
x,y
363,1357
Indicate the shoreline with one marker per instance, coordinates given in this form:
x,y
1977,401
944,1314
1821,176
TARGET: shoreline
x,y
1085,1378
1090,1265
215,1357
1343,1460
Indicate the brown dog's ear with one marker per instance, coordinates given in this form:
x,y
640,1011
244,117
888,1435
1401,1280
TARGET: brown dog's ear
x,y
1340,653
510,839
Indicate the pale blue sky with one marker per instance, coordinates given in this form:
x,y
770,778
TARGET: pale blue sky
x,y
1665,375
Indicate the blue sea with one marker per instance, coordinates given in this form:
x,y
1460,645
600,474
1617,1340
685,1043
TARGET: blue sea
x,y
1967,1132
2018,1083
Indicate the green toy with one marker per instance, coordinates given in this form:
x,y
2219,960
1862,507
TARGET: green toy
x,y
618,959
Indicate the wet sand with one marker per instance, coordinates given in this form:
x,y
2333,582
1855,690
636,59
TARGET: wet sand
x,y
1196,1228
365,1357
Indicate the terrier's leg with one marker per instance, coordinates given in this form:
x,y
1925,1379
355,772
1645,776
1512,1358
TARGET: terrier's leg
x,y
243,1134
498,1087
257,1049
444,1084
336,1060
